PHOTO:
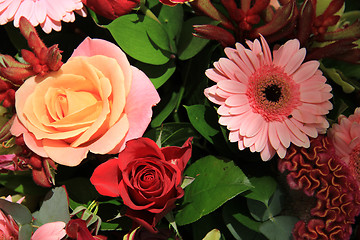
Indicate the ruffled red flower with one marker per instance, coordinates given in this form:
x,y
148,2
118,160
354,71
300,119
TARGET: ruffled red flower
x,y
320,174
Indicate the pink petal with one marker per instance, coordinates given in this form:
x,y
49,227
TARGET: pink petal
x,y
240,110
234,56
295,61
223,110
215,75
234,136
266,51
281,151
283,133
305,71
268,152
50,231
62,153
142,97
273,137
257,124
228,67
232,86
236,100
210,93
241,51
263,138
253,58
91,47
288,50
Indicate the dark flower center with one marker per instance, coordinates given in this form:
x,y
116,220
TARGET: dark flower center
x,y
272,93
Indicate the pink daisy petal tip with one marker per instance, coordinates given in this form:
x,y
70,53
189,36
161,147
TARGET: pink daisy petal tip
x,y
46,13
269,100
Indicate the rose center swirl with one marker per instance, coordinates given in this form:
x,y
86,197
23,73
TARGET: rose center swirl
x,y
272,93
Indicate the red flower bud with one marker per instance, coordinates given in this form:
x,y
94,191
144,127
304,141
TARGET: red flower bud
x,y
54,57
212,32
111,9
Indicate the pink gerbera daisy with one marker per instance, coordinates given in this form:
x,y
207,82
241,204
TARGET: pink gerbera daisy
x,y
47,13
346,138
269,102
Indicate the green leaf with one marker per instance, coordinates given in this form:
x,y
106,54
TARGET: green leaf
x,y
172,19
142,38
21,215
166,110
216,181
335,75
22,183
25,231
54,208
19,212
172,134
279,228
239,221
204,119
264,188
158,74
190,45
262,212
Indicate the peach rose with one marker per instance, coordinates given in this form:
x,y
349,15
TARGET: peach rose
x,y
95,102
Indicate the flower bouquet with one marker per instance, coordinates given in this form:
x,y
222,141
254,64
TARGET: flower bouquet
x,y
176,119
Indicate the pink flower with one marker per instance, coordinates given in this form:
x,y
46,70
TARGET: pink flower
x,y
50,231
8,227
95,102
7,162
269,102
47,13
346,138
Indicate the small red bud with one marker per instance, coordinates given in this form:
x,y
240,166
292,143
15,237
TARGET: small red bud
x,y
54,57
35,162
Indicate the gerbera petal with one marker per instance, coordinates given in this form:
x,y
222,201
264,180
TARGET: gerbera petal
x,y
295,61
266,51
273,137
232,86
236,100
262,140
241,51
305,71
215,75
240,109
289,49
256,126
283,134
267,153
234,136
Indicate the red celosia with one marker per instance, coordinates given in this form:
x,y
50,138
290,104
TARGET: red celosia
x,y
320,174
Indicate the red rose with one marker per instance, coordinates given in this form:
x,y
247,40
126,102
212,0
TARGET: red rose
x,y
174,2
111,9
146,177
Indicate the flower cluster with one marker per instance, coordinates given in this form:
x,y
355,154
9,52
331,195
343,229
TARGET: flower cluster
x,y
320,174
180,119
